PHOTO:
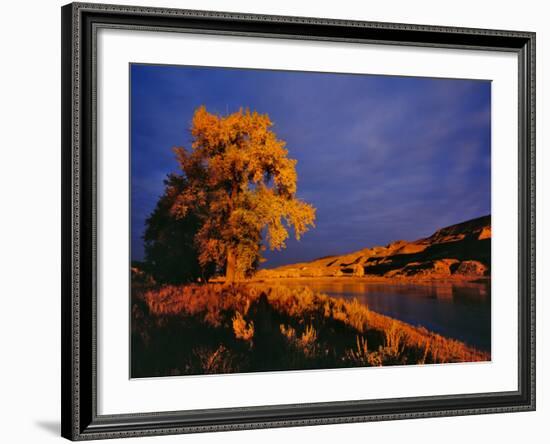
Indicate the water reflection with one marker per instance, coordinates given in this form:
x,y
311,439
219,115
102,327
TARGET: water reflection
x,y
457,310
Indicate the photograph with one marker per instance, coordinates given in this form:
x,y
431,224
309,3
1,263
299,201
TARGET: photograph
x,y
294,220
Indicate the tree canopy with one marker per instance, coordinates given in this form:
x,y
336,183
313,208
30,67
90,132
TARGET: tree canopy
x,y
170,250
239,183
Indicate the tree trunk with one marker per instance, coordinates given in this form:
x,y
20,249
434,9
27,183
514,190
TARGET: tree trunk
x,y
231,267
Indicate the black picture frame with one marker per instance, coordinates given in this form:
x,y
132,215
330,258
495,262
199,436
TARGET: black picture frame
x,y
80,420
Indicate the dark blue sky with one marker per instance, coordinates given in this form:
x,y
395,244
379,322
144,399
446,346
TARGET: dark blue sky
x,y
382,158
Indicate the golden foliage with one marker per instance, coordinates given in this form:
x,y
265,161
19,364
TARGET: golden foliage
x,y
305,344
241,180
242,329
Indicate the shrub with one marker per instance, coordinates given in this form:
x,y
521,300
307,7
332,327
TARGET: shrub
x,y
211,361
360,355
241,328
214,328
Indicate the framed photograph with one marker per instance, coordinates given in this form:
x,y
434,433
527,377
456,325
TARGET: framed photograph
x,y
281,221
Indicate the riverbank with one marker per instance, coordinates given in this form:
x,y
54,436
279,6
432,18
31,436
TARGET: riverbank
x,y
428,280
370,279
258,326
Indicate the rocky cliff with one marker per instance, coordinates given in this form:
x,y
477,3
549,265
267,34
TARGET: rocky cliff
x,y
461,251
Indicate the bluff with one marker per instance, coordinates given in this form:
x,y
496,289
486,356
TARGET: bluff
x,y
461,251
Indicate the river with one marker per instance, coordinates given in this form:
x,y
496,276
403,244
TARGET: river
x,y
458,310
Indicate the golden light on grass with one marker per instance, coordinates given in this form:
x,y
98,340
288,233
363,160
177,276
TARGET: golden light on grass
x,y
310,330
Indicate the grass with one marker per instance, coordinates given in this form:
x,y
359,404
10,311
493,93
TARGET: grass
x,y
212,328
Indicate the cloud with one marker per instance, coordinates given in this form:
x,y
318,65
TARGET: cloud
x,y
380,157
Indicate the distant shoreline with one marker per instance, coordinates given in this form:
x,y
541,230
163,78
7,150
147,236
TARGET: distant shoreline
x,y
366,279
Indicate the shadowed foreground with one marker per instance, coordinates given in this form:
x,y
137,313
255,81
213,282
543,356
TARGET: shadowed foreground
x,y
202,329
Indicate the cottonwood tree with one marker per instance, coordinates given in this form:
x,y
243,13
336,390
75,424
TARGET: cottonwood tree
x,y
241,184
171,255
